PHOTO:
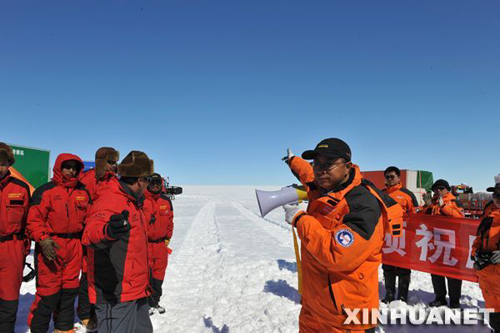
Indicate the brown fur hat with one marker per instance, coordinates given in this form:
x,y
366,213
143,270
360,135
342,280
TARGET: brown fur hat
x,y
6,154
136,164
102,155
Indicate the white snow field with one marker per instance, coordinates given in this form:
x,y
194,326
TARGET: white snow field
x,y
233,271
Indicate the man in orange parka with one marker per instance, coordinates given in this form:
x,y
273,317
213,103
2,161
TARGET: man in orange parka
x,y
443,203
104,174
14,200
486,254
55,222
160,229
407,200
342,235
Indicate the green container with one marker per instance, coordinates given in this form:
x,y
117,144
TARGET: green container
x,y
33,164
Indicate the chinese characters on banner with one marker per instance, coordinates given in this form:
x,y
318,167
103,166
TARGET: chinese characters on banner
x,y
434,244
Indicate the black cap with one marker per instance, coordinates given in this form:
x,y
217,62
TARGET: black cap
x,y
333,148
441,182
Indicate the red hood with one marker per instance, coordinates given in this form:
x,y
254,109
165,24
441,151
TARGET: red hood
x,y
58,177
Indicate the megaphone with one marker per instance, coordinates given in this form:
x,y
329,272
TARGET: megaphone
x,y
269,200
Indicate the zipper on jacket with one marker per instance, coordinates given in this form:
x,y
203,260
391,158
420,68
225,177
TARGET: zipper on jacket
x,y
331,292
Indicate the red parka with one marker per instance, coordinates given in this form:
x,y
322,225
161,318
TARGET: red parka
x,y
160,215
14,200
60,206
117,269
93,185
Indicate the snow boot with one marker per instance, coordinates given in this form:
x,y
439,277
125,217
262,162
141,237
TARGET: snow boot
x,y
152,310
438,302
160,309
90,324
389,297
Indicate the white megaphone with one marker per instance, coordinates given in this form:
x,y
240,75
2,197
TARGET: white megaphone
x,y
268,200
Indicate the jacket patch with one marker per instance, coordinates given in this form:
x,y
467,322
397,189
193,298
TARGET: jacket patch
x,y
17,202
81,198
14,195
344,237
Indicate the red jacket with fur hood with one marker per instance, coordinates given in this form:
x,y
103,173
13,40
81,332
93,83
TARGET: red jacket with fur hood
x,y
60,206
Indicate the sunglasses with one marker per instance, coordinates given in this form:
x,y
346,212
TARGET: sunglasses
x,y
148,179
326,166
111,162
440,188
390,177
496,195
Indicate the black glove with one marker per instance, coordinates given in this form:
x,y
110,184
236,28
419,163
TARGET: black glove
x,y
118,225
49,248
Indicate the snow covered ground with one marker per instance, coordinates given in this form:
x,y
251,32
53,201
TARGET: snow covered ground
x,y
233,271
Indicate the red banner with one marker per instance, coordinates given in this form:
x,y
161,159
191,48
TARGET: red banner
x,y
434,244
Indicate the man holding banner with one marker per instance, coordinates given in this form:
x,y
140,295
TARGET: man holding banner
x,y
342,235
443,203
407,200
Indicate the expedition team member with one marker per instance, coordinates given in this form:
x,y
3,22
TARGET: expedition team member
x,y
160,229
342,235
487,243
407,200
14,201
55,222
104,174
443,203
117,245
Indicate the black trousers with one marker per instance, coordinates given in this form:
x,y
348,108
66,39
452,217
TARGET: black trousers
x,y
8,311
126,317
495,321
404,277
454,288
154,298
85,310
61,305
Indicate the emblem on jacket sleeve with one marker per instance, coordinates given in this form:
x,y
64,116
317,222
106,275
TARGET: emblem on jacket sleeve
x,y
344,237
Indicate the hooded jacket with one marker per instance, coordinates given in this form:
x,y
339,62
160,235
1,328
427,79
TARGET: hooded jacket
x,y
402,196
117,270
342,236
14,200
59,206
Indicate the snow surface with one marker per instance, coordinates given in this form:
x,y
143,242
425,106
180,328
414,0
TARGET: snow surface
x,y
233,271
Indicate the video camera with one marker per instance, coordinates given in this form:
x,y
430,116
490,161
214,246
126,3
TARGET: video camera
x,y
482,260
173,190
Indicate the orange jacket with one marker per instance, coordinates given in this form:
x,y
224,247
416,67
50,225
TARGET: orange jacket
x,y
449,208
342,236
487,240
403,196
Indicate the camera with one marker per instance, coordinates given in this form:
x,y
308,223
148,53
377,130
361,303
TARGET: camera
x,y
482,260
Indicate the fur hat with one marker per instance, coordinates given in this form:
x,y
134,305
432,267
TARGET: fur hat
x,y
497,184
102,156
6,154
136,164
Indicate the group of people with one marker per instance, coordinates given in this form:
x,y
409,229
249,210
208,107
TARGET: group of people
x,y
100,235
342,234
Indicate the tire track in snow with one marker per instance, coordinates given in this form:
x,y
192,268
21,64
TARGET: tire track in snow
x,y
189,288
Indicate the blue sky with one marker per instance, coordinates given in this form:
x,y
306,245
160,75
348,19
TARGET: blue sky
x,y
215,91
